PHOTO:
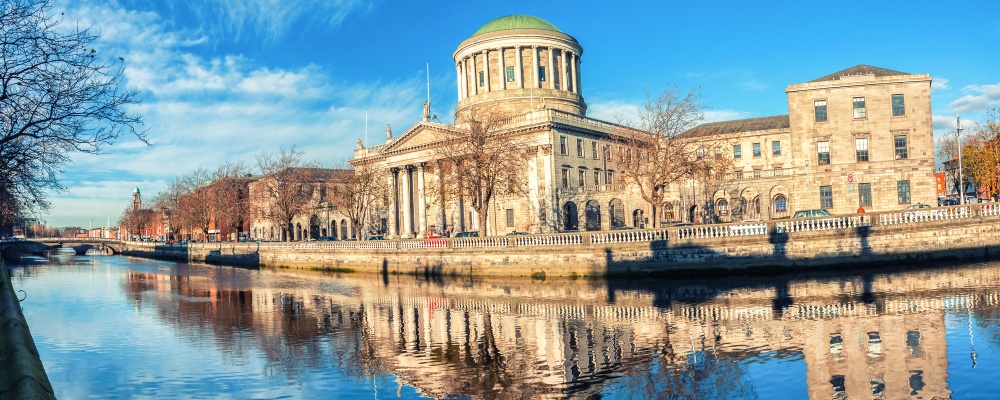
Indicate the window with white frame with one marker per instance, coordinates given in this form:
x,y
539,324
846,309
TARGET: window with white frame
x,y
861,149
820,110
860,112
823,150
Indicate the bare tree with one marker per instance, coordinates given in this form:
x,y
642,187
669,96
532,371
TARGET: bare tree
x,y
167,203
194,208
135,221
655,153
230,196
285,189
485,160
358,191
58,95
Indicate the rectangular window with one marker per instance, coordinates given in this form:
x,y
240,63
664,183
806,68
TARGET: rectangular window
x,y
776,148
593,150
562,146
579,147
903,191
824,152
778,171
900,145
510,73
756,173
541,74
565,178
482,78
611,177
898,106
756,149
826,196
861,148
864,194
859,108
700,153
597,178
510,217
737,151
739,174
582,184
820,106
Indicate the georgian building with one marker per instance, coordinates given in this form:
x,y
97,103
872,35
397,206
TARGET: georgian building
x,y
858,137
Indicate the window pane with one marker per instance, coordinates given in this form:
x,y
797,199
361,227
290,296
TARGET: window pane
x,y
565,178
823,148
593,149
900,144
482,78
579,147
820,106
898,106
756,149
597,178
562,145
865,194
826,196
780,204
776,148
903,191
581,179
737,151
510,73
861,146
859,108
541,74
510,217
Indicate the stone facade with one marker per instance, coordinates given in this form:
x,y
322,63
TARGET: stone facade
x,y
573,184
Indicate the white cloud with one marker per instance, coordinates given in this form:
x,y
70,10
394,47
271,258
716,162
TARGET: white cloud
x,y
978,98
612,111
939,84
724,115
942,123
270,20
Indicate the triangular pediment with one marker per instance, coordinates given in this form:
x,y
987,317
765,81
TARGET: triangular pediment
x,y
418,135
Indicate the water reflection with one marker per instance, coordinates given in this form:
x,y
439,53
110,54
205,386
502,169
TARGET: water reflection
x,y
868,335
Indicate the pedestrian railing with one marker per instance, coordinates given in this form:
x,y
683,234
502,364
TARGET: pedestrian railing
x,y
697,233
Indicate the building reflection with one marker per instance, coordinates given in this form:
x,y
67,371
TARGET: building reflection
x,y
870,336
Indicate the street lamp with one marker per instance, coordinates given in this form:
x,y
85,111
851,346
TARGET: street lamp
x,y
961,182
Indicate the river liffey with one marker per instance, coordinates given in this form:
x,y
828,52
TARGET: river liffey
x,y
117,327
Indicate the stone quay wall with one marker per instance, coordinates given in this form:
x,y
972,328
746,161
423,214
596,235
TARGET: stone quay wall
x,y
923,235
22,375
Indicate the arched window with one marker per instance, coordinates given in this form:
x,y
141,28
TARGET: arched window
x,y
616,209
722,207
780,203
343,229
570,219
667,212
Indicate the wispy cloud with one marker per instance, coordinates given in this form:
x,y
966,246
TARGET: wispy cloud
x,y
939,83
978,98
724,115
612,111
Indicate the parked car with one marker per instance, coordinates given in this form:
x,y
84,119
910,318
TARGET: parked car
x,y
375,237
516,233
467,234
328,238
813,213
623,228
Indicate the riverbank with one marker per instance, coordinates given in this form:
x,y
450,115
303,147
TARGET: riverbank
x,y
22,375
927,235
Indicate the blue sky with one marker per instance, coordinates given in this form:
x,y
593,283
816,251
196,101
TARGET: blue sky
x,y
226,79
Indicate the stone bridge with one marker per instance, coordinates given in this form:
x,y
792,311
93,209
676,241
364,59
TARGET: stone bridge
x,y
80,245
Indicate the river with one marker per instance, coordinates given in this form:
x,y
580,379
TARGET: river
x,y
119,327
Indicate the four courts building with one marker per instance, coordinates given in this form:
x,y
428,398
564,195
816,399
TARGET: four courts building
x,y
857,138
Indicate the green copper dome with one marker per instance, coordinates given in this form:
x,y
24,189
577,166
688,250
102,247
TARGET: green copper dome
x,y
518,21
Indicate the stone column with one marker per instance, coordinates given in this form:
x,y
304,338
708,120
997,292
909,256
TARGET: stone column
x,y
458,71
579,78
421,204
464,82
486,71
405,201
573,66
534,64
552,70
393,202
518,78
475,76
562,70
503,74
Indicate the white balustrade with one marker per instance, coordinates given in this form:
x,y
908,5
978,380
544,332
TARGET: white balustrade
x,y
479,242
630,236
560,239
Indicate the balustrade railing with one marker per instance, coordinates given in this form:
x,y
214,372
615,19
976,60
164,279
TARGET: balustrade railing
x,y
696,232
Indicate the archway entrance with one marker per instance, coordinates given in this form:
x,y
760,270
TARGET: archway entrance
x,y
570,219
593,215
638,219
616,209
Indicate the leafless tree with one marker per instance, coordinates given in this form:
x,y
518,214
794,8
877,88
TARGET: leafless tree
x,y
285,188
194,209
655,153
230,195
58,95
134,221
358,191
485,160
167,204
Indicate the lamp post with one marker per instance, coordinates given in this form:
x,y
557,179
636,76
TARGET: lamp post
x,y
961,182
